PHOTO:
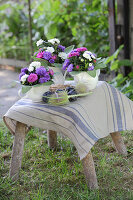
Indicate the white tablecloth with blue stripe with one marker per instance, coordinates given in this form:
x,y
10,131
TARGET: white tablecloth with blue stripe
x,y
84,121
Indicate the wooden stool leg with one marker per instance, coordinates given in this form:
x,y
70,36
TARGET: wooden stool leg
x,y
119,144
89,171
52,139
17,150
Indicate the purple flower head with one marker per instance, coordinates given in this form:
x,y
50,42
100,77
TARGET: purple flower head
x,y
41,71
65,64
91,68
70,68
60,47
54,57
44,79
32,78
51,60
25,70
47,55
81,49
21,74
40,54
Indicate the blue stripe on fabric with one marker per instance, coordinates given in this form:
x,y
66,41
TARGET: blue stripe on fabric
x,y
123,110
70,114
58,116
83,117
106,107
52,123
117,108
111,104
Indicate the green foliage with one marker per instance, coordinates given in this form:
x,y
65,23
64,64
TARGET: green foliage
x,y
83,23
124,84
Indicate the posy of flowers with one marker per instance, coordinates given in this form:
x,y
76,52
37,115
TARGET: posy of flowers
x,y
35,74
51,52
81,59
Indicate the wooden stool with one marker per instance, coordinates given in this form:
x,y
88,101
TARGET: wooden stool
x,y
88,163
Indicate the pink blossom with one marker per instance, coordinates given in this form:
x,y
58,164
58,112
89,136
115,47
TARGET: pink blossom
x,y
40,54
32,78
73,54
81,49
51,72
54,57
77,67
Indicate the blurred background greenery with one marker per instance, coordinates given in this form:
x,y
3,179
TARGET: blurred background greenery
x,y
83,23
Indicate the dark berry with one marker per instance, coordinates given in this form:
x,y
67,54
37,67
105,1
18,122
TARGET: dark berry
x,y
72,91
59,90
46,95
69,89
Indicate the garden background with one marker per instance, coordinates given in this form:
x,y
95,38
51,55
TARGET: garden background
x,y
58,175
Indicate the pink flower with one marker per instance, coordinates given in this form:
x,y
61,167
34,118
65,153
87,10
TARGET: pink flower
x,y
40,54
81,49
77,67
54,57
32,78
51,72
73,54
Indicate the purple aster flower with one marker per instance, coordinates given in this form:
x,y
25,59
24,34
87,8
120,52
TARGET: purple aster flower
x,y
62,48
25,70
70,68
32,78
47,55
73,54
44,79
91,68
81,49
41,71
65,64
51,60
51,72
21,74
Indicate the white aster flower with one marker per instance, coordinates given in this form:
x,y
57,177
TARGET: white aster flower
x,y
31,68
90,64
24,77
35,64
54,40
82,60
86,54
50,49
62,55
39,42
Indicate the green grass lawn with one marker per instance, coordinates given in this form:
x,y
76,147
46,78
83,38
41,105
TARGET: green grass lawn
x,y
58,175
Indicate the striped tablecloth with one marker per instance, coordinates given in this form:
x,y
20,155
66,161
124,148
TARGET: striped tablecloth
x,y
84,121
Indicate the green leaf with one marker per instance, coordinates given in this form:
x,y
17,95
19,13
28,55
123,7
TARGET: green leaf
x,y
69,49
39,85
114,65
100,66
114,56
74,72
125,62
130,74
92,73
25,89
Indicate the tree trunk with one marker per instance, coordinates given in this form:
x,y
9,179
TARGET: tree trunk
x,y
30,27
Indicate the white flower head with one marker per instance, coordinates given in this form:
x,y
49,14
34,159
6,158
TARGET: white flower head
x,y
39,42
31,68
86,54
62,55
24,77
33,65
90,64
50,49
82,60
54,40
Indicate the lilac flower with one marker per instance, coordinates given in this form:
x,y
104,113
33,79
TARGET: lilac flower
x,y
65,64
81,49
21,74
47,55
41,71
32,78
91,68
73,54
51,60
60,47
25,70
51,72
70,68
44,79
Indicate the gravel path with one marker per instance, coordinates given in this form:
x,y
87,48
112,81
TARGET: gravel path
x,y
8,90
